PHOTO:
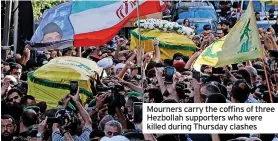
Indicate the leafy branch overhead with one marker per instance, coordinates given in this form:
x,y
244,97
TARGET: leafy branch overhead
x,y
40,5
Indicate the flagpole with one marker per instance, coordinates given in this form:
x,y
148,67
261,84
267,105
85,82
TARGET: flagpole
x,y
139,45
264,59
267,81
265,13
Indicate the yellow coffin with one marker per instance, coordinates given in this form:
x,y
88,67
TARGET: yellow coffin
x,y
170,42
51,82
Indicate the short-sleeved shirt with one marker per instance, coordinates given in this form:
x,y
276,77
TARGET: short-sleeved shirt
x,y
85,136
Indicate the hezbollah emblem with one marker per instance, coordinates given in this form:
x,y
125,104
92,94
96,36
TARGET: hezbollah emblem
x,y
246,36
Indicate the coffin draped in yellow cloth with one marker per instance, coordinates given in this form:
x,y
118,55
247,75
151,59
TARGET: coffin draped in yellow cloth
x,y
51,82
169,42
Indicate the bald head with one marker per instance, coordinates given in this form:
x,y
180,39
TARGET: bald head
x,y
29,117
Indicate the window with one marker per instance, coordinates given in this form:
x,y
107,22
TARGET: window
x,y
257,6
268,7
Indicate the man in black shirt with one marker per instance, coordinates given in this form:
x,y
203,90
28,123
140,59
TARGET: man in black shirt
x,y
225,7
275,26
271,15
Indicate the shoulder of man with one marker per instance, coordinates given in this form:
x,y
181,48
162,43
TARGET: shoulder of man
x,y
86,131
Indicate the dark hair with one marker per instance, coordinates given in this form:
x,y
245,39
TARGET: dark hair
x,y
7,116
257,66
212,78
220,29
11,60
180,89
134,136
211,88
266,97
246,75
43,106
133,99
185,58
22,86
238,76
169,101
156,94
15,66
97,133
207,27
271,10
15,111
168,62
25,99
30,64
240,91
29,118
267,137
223,90
150,66
168,137
257,13
216,98
14,90
51,112
225,22
176,55
261,73
52,27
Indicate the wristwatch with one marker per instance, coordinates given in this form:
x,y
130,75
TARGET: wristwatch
x,y
39,135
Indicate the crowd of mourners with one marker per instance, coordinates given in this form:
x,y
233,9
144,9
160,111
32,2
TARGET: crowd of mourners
x,y
108,115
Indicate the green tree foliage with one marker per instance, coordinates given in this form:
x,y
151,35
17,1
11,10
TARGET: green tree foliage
x,y
40,5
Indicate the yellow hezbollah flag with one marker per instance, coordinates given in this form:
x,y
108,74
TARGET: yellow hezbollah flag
x,y
169,42
270,2
51,82
242,43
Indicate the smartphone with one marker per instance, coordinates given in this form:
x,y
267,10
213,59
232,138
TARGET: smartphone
x,y
73,87
196,75
137,112
169,72
219,70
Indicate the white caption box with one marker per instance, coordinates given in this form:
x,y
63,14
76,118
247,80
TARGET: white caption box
x,y
179,118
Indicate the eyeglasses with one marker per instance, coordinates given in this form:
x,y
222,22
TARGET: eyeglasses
x,y
112,133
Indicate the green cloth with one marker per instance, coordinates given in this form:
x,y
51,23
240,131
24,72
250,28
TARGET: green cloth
x,y
133,93
70,105
92,102
35,108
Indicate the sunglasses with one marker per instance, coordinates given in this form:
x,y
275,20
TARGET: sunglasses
x,y
112,133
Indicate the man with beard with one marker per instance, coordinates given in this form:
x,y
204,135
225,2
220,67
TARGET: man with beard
x,y
219,34
8,127
225,27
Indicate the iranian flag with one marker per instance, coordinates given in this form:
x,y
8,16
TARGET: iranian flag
x,y
97,22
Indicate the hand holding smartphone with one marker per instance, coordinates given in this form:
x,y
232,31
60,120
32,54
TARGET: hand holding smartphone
x,y
137,112
169,73
73,87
